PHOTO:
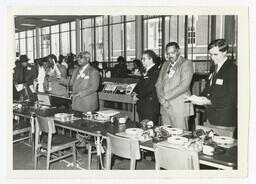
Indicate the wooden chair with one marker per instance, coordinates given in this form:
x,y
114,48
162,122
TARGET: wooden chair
x,y
122,147
90,152
26,128
51,143
175,159
219,131
19,128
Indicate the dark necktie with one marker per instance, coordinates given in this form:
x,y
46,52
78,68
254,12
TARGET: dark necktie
x,y
169,68
214,73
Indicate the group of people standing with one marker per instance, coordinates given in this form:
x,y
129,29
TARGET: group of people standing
x,y
50,75
166,91
161,90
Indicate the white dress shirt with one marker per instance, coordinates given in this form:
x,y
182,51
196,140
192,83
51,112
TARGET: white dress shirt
x,y
220,64
40,79
82,71
147,69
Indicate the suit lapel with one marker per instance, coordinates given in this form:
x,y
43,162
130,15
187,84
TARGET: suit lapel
x,y
175,68
222,69
179,63
151,70
85,72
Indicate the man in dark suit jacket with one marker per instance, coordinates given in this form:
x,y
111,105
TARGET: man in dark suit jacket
x,y
148,105
220,94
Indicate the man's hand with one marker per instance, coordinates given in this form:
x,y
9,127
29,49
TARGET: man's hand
x,y
134,96
75,95
165,104
162,100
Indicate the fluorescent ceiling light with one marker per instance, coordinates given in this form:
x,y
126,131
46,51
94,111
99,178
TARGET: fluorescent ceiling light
x,y
48,20
29,25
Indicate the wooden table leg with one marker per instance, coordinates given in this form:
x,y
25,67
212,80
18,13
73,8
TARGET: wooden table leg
x,y
98,152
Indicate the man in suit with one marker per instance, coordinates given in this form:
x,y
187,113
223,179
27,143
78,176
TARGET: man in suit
x,y
172,87
85,82
148,105
25,73
220,93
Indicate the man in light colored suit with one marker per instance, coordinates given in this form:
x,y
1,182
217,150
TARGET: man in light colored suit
x,y
173,86
85,81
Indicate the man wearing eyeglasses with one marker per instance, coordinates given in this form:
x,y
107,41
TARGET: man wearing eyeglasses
x,y
220,93
85,82
172,86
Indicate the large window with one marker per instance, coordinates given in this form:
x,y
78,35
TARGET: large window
x,y
195,40
116,37
65,39
153,34
107,37
22,43
99,36
55,40
230,34
130,38
88,36
17,42
73,37
34,45
30,46
45,41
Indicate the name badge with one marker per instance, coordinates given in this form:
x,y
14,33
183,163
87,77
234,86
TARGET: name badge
x,y
219,81
86,77
28,68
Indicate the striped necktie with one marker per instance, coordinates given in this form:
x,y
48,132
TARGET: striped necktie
x,y
214,74
215,71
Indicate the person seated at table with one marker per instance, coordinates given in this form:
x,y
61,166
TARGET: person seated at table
x,y
25,74
63,61
120,70
85,82
95,64
54,72
105,72
148,106
137,67
72,67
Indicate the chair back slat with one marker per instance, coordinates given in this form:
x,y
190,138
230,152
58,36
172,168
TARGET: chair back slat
x,y
175,159
45,124
124,147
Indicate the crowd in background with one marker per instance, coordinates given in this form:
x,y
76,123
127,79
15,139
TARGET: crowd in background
x,y
47,71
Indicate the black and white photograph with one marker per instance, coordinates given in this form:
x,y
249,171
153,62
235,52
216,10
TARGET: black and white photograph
x,y
145,92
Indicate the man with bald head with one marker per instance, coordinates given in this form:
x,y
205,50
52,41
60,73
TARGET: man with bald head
x,y
85,82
